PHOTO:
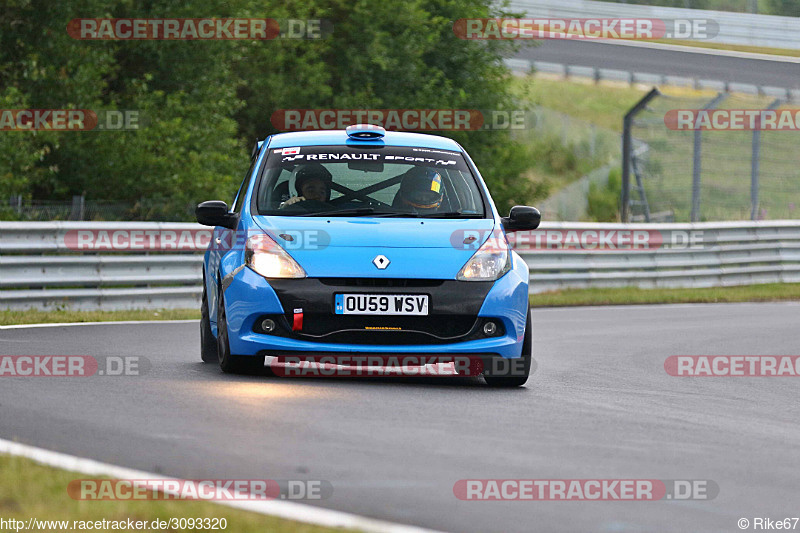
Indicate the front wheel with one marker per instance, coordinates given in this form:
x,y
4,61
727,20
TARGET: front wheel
x,y
229,363
514,372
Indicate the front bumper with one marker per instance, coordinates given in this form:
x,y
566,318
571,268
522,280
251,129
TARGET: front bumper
x,y
457,312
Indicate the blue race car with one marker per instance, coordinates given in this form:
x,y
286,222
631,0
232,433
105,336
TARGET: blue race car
x,y
365,242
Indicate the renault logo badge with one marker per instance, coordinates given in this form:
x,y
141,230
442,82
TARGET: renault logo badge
x,y
381,262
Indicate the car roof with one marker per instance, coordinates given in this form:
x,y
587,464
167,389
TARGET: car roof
x,y
339,137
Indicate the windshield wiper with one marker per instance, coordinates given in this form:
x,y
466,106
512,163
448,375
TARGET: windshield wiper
x,y
360,211
454,214
397,214
366,211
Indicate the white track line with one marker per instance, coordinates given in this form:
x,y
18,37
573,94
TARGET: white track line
x,y
289,510
699,50
117,323
633,307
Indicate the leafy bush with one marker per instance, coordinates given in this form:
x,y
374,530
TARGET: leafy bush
x,y
604,201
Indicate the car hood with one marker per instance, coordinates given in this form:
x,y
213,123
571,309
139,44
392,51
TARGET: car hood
x,y
348,246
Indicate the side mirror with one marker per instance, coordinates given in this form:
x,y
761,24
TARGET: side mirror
x,y
215,213
522,218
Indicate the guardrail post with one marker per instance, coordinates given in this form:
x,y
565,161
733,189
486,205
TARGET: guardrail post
x,y
756,161
627,151
698,159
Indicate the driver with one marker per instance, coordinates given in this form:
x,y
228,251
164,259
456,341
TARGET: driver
x,y
421,189
312,182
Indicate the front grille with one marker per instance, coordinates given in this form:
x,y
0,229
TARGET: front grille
x,y
444,326
352,329
454,307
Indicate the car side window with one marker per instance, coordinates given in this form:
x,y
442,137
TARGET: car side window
x,y
237,208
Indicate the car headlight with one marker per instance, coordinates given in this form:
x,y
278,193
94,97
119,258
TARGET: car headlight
x,y
267,258
490,262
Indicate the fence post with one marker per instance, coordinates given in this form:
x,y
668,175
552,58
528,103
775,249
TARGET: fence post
x,y
78,205
627,150
698,159
756,161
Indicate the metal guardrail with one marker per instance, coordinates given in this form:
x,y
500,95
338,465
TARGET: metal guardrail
x,y
734,28
726,253
39,270
523,66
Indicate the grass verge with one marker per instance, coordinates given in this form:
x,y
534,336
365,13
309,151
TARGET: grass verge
x,y
601,104
32,316
772,292
31,490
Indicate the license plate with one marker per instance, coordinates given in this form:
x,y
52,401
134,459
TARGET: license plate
x,y
381,304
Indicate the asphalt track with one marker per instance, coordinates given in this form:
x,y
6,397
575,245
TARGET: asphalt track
x,y
699,63
599,406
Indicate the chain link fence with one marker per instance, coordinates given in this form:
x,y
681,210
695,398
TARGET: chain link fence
x,y
572,203
586,140
699,175
594,150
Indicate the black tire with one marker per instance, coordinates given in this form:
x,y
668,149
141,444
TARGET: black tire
x,y
208,343
229,363
503,377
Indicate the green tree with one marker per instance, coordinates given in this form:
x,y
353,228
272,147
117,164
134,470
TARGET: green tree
x,y
382,57
183,92
203,103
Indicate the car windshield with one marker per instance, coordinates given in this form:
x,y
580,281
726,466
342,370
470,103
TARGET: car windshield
x,y
383,181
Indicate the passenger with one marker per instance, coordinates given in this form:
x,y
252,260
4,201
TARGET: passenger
x,y
421,190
